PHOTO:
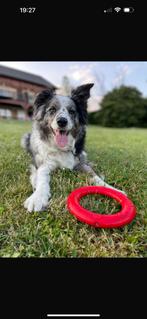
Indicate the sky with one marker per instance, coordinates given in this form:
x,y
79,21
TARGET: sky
x,y
104,75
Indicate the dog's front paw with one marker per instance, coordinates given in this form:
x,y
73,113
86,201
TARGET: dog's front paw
x,y
36,202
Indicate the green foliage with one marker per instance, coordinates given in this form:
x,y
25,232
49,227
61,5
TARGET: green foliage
x,y
122,107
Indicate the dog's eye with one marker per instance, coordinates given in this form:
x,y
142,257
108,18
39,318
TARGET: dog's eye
x,y
72,112
52,110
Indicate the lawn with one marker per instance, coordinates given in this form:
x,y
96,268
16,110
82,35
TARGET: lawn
x,y
119,155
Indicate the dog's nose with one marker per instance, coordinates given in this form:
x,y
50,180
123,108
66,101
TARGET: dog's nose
x,y
62,122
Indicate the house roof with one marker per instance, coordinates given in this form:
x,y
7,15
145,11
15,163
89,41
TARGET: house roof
x,y
24,76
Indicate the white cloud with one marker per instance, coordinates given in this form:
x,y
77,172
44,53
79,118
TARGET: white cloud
x,y
81,73
94,103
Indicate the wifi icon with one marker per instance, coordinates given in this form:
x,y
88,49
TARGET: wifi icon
x,y
117,9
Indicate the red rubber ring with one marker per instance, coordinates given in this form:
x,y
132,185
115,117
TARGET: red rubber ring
x,y
121,218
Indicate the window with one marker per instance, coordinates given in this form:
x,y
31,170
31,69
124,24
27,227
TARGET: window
x,y
20,95
31,97
21,115
5,113
7,93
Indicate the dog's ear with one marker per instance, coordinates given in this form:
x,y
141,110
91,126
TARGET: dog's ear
x,y
80,95
40,103
82,92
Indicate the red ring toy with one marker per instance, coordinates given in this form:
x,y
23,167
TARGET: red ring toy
x,y
123,217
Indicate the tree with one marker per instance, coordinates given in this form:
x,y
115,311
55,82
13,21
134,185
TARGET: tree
x,y
123,107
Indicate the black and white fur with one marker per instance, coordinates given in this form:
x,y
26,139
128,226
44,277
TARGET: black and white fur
x,y
57,141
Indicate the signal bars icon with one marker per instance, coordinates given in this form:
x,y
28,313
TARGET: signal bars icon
x,y
108,10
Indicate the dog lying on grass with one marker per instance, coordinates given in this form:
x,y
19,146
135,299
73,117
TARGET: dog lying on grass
x,y
57,141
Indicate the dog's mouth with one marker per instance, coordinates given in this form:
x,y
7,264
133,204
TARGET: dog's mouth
x,y
61,137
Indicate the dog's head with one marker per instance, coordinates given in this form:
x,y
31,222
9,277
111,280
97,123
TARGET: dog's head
x,y
60,115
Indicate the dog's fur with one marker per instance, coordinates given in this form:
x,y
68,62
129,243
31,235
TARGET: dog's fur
x,y
57,140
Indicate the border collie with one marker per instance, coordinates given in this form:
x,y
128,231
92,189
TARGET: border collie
x,y
57,141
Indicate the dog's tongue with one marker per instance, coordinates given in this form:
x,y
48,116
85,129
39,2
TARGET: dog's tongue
x,y
61,138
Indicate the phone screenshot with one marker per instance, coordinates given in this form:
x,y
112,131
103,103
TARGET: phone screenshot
x,y
73,159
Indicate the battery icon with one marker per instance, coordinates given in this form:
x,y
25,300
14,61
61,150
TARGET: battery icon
x,y
128,10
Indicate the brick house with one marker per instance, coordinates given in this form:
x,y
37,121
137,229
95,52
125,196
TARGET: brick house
x,y
17,92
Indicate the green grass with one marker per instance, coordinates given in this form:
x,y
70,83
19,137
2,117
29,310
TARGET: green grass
x,y
119,155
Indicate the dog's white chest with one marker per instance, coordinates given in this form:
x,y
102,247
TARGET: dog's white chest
x,y
66,160
57,158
